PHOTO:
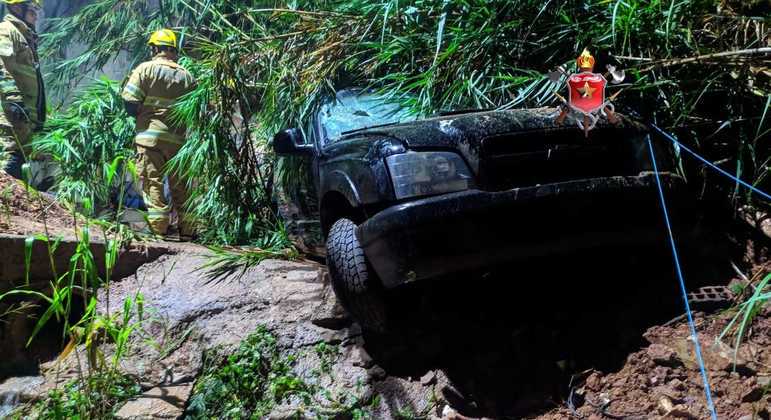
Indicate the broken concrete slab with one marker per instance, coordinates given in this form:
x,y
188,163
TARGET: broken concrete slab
x,y
13,264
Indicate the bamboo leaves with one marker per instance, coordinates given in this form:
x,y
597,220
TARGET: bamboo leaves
x,y
91,142
264,68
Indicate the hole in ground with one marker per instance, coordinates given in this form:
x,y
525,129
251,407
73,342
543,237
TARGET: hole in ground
x,y
17,326
510,339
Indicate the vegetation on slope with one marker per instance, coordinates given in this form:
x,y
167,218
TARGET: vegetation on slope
x,y
699,69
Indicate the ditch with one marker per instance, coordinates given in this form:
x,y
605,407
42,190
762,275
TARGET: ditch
x,y
20,366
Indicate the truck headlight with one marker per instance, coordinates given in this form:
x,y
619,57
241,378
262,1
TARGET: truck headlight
x,y
428,173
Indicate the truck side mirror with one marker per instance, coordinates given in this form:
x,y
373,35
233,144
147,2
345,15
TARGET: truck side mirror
x,y
291,142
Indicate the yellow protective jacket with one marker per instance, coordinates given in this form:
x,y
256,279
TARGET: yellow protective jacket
x,y
155,86
20,78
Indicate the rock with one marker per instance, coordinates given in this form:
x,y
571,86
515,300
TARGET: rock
x,y
309,334
724,360
681,411
667,391
759,220
753,393
449,413
22,389
663,355
447,391
671,411
428,379
193,314
376,373
330,314
165,402
677,385
665,405
594,381
361,358
284,412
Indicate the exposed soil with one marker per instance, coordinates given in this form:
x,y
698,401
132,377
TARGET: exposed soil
x,y
532,340
23,214
664,381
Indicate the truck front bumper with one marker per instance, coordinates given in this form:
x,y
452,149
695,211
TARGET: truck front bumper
x,y
474,229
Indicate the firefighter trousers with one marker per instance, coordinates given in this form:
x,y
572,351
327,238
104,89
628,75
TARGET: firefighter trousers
x,y
150,168
9,134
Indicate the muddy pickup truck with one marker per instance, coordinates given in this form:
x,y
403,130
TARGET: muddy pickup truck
x,y
403,199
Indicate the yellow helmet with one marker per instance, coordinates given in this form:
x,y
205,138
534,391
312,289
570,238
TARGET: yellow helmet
x,y
38,3
164,37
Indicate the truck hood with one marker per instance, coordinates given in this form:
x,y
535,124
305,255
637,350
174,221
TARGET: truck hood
x,y
466,132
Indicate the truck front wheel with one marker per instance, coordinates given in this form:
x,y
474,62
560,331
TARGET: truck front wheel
x,y
353,280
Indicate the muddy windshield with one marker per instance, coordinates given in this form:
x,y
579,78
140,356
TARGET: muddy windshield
x,y
352,111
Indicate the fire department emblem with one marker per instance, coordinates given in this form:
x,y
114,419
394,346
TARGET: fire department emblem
x,y
586,94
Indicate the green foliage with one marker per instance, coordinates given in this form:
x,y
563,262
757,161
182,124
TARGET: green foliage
x,y
104,27
249,382
98,397
327,355
747,311
273,244
255,379
267,66
89,141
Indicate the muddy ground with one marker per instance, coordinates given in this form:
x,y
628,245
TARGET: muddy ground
x,y
24,212
664,379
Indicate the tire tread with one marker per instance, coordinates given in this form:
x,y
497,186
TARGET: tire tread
x,y
352,278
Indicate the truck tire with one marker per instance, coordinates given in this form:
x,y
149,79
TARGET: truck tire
x,y
353,280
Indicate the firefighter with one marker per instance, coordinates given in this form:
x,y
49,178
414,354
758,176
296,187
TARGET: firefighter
x,y
21,84
153,87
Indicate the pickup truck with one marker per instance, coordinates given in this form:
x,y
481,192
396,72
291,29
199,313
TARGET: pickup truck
x,y
403,199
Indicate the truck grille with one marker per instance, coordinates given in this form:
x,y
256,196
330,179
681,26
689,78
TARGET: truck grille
x,y
525,159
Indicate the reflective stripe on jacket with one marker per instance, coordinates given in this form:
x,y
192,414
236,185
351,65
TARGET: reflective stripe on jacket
x,y
156,85
20,77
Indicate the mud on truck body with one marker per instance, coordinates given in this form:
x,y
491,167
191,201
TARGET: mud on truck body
x,y
403,199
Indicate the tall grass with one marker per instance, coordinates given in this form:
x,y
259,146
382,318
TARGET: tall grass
x,y
746,313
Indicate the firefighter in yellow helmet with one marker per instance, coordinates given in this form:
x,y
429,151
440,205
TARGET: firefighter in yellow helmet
x,y
151,91
22,92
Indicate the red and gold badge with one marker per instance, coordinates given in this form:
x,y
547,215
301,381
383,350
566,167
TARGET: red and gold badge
x,y
586,93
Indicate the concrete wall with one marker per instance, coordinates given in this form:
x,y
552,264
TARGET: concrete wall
x,y
13,267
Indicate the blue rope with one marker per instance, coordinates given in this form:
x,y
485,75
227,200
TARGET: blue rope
x,y
707,389
712,165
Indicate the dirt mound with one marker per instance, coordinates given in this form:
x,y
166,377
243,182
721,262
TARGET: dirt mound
x,y
24,213
664,378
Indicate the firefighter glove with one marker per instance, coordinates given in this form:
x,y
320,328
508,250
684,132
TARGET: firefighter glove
x,y
16,112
